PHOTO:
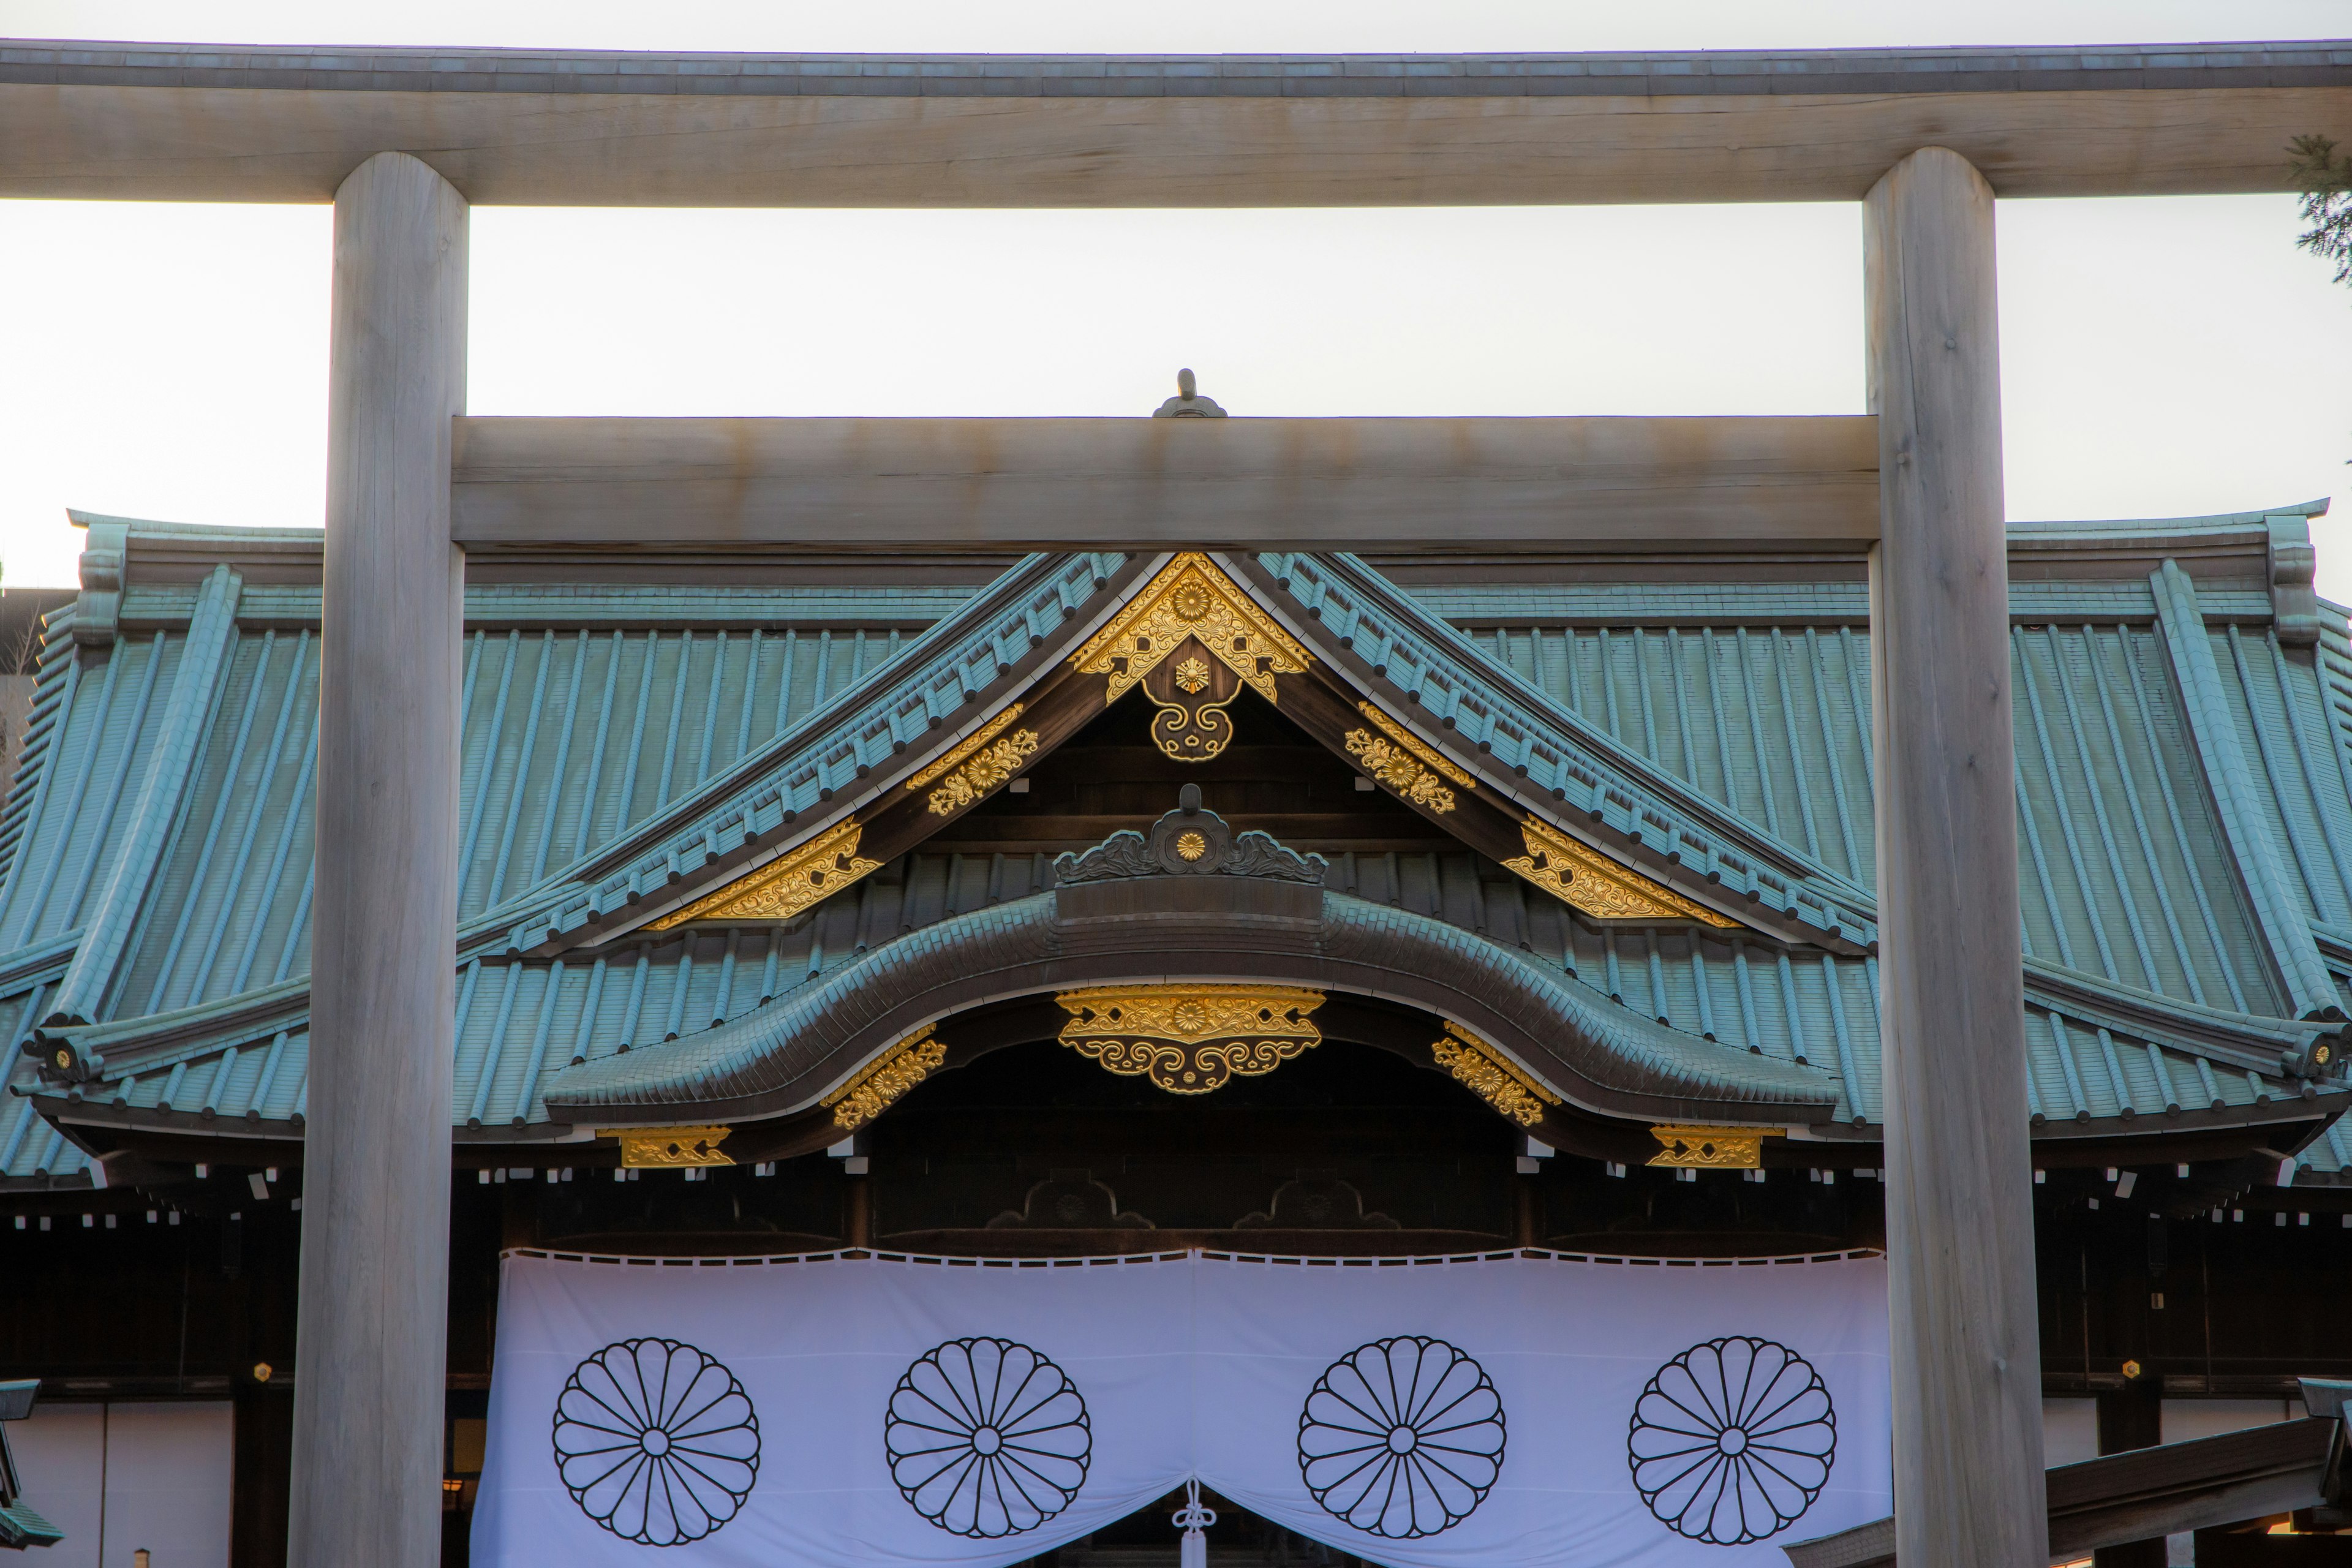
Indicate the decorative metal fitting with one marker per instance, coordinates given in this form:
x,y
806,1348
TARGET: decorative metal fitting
x,y
668,1148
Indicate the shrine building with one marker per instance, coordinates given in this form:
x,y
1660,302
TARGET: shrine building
x,y
814,889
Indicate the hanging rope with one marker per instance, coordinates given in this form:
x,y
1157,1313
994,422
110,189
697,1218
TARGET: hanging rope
x,y
1193,1519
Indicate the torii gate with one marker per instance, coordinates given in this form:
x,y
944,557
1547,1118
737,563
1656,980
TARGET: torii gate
x,y
402,140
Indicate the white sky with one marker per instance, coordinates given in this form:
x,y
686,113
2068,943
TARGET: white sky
x,y
2161,357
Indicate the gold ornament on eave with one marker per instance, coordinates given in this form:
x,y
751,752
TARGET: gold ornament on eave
x,y
882,1082
792,882
1584,878
1491,1075
1191,1039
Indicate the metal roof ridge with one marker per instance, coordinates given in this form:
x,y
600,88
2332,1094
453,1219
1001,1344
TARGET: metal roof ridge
x,y
1834,894
2213,730
756,798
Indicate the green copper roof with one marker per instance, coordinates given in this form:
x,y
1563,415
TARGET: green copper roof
x,y
2185,785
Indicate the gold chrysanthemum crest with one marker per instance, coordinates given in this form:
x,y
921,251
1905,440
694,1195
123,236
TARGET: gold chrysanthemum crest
x,y
1192,597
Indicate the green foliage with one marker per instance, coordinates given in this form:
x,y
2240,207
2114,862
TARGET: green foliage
x,y
2325,182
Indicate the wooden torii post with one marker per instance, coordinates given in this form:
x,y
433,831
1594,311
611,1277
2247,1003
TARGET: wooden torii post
x,y
400,141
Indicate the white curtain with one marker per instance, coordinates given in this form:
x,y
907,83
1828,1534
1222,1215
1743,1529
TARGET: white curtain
x,y
1523,1410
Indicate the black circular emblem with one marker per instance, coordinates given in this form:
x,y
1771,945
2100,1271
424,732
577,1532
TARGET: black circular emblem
x,y
1401,1437
986,1437
1732,1440
655,1441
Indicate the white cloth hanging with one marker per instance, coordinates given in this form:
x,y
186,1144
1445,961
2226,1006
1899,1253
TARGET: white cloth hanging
x,y
829,1412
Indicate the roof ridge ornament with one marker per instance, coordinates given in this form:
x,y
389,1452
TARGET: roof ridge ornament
x,y
1188,402
1190,841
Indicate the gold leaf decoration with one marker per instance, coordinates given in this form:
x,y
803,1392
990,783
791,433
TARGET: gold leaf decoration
x,y
1587,879
873,1090
1193,675
1431,757
1491,1075
1398,768
990,767
666,1148
1192,597
1712,1148
1191,1039
785,886
966,747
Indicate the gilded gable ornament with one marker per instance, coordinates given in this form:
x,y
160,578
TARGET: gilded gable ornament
x,y
889,1076
1192,639
978,764
1491,1075
792,882
1191,1039
1399,759
1586,879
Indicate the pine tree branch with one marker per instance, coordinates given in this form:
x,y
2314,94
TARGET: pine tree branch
x,y
2325,182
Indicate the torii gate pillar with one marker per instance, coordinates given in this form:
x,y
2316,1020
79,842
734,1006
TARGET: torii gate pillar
x,y
370,1359
1959,1195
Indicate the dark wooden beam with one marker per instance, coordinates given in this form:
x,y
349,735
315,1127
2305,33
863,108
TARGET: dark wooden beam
x,y
1426,486
2148,1493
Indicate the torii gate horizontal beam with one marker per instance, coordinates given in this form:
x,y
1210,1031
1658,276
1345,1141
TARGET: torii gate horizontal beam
x,y
191,123
1431,486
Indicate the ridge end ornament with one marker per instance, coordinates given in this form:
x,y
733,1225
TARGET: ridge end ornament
x,y
787,885
1584,878
879,1084
1192,639
1491,1075
1191,1039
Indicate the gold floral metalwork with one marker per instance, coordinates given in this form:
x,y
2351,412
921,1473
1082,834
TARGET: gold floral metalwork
x,y
1191,847
1193,675
1430,755
995,763
1712,1148
785,886
966,747
1491,1075
1192,597
1396,768
892,1074
668,1148
1587,879
1191,1039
